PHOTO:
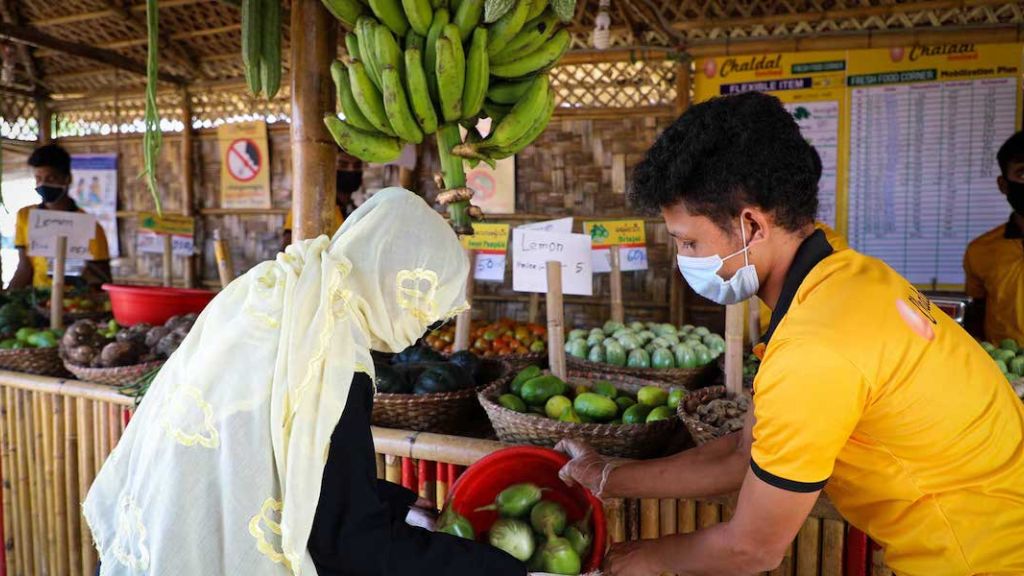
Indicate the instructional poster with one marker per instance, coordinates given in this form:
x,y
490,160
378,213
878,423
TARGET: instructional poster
x,y
812,87
94,189
244,165
925,125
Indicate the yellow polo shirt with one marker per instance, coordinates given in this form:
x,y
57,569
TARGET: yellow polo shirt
x,y
869,391
40,273
994,270
339,219
837,242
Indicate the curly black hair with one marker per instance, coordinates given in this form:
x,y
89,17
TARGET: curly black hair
x,y
51,155
1011,151
728,153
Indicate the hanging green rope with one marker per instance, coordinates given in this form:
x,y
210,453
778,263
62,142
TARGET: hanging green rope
x,y
151,137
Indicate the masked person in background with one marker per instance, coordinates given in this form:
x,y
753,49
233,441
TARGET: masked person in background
x,y
994,262
51,166
865,389
266,405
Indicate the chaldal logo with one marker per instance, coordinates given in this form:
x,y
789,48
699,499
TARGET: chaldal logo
x,y
917,52
916,311
761,63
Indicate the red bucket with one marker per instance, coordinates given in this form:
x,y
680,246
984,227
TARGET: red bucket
x,y
482,482
135,304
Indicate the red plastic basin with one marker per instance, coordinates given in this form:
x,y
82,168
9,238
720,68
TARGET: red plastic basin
x,y
481,483
135,304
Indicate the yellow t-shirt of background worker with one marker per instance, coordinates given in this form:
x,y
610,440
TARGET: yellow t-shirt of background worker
x,y
339,219
994,270
40,273
868,390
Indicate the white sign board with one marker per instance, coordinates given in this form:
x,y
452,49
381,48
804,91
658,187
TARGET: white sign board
x,y
532,250
490,267
631,259
152,243
560,226
45,226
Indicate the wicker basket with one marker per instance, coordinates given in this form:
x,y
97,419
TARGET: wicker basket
x,y
625,440
701,432
444,413
121,376
41,361
517,363
689,378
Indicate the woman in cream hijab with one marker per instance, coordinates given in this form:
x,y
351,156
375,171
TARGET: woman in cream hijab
x,y
251,454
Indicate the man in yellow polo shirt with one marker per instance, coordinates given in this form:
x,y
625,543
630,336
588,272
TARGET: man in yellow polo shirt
x,y
866,390
51,166
994,262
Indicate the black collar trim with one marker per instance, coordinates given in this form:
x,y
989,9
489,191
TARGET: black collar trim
x,y
1012,230
814,249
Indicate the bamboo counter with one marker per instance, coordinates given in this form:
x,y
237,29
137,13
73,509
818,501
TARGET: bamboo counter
x,y
55,435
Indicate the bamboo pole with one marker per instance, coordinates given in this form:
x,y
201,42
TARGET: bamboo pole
x,y
533,310
57,290
669,517
45,425
38,485
187,181
687,516
878,566
168,254
734,348
314,153
464,322
222,253
650,521
808,542
427,480
632,514
614,515
833,532
60,462
71,493
86,474
45,121
708,514
443,480
556,321
618,313
100,427
380,466
24,492
393,469
8,477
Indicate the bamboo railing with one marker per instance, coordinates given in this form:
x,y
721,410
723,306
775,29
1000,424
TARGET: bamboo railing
x,y
55,435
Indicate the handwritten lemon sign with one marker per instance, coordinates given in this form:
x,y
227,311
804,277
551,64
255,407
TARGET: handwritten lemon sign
x,y
629,235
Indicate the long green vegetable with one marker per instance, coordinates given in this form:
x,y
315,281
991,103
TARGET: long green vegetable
x,y
138,389
152,138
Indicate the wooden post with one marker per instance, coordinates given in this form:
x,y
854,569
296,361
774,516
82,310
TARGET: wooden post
x,y
613,510
533,312
45,121
314,46
556,321
222,252
618,312
734,348
9,476
187,189
168,276
57,292
808,541
832,536
464,322
669,517
650,524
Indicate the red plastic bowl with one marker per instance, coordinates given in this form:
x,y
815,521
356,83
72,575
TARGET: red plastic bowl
x,y
481,483
135,304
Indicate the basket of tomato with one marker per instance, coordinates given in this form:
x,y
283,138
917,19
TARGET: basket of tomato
x,y
516,343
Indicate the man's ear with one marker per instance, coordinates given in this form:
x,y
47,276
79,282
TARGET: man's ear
x,y
756,222
1001,182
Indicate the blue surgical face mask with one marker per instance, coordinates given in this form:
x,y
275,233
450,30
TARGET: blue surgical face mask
x,y
51,194
702,275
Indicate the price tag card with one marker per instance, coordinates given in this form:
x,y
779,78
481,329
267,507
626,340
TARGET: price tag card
x,y
174,224
151,243
629,235
532,250
490,242
561,226
45,226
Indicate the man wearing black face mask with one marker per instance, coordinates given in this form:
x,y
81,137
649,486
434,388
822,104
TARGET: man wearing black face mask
x,y
51,166
994,262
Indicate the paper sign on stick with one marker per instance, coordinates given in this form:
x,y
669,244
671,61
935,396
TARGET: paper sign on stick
x,y
532,250
490,242
46,225
629,235
561,226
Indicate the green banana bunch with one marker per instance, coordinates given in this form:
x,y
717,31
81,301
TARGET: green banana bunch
x,y
538,7
522,116
506,28
390,14
366,146
343,87
419,14
467,17
366,32
388,52
348,11
533,35
538,60
451,72
508,93
430,50
261,46
477,74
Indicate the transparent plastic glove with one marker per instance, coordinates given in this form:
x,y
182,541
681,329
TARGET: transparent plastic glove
x,y
422,515
586,467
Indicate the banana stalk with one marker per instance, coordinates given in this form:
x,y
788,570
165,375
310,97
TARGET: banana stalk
x,y
454,175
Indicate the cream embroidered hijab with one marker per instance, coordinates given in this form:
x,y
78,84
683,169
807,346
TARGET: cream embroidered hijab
x,y
220,470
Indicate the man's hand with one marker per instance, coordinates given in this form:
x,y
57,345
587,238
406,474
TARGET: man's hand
x,y
629,559
586,467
